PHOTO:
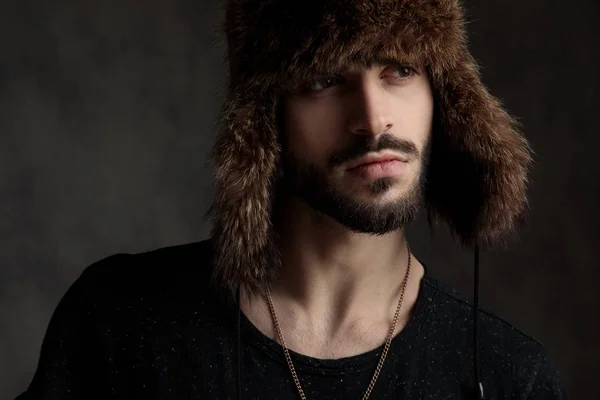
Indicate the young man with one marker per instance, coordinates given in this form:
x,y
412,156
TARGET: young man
x,y
343,120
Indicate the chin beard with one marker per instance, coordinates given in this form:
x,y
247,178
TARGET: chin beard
x,y
311,184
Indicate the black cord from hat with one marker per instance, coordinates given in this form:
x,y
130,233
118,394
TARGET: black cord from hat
x,y
478,389
238,359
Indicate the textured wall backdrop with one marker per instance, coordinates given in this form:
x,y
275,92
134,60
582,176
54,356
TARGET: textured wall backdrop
x,y
107,113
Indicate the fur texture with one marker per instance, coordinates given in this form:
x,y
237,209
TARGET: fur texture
x,y
477,179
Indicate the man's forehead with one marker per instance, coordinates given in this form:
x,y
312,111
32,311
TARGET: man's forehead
x,y
376,61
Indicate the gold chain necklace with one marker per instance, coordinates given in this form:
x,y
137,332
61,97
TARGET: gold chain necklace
x,y
388,340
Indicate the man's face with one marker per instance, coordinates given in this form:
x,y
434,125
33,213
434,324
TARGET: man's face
x,y
356,145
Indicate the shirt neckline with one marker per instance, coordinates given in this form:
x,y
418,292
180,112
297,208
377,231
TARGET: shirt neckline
x,y
352,364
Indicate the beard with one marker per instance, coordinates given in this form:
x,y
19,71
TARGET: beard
x,y
315,185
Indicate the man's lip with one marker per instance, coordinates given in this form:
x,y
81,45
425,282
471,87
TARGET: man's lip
x,y
375,158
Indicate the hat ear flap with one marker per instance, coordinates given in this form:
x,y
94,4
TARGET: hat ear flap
x,y
246,158
477,178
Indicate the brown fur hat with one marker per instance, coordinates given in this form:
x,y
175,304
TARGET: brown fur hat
x,y
479,163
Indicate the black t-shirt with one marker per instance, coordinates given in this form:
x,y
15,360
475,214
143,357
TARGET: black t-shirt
x,y
151,326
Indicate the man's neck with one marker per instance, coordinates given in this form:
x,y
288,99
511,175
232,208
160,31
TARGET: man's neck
x,y
327,268
336,284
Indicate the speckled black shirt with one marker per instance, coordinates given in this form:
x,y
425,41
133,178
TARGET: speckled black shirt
x,y
150,326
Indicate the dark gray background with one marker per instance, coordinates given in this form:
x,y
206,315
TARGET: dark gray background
x,y
107,116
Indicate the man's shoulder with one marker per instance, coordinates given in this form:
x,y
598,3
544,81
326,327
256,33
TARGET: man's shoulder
x,y
168,271
163,261
454,312
510,357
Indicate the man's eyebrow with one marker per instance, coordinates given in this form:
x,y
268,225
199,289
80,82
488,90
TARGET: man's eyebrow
x,y
374,61
369,64
387,61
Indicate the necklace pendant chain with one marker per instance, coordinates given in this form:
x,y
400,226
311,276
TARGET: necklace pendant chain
x,y
386,347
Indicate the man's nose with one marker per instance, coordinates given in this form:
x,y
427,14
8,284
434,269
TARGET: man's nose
x,y
369,110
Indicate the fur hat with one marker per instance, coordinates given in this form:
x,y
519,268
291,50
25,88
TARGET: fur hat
x,y
479,161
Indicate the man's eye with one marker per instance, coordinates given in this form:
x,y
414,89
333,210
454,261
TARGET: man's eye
x,y
404,71
322,84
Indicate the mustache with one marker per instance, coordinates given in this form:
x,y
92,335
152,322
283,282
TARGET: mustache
x,y
361,145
